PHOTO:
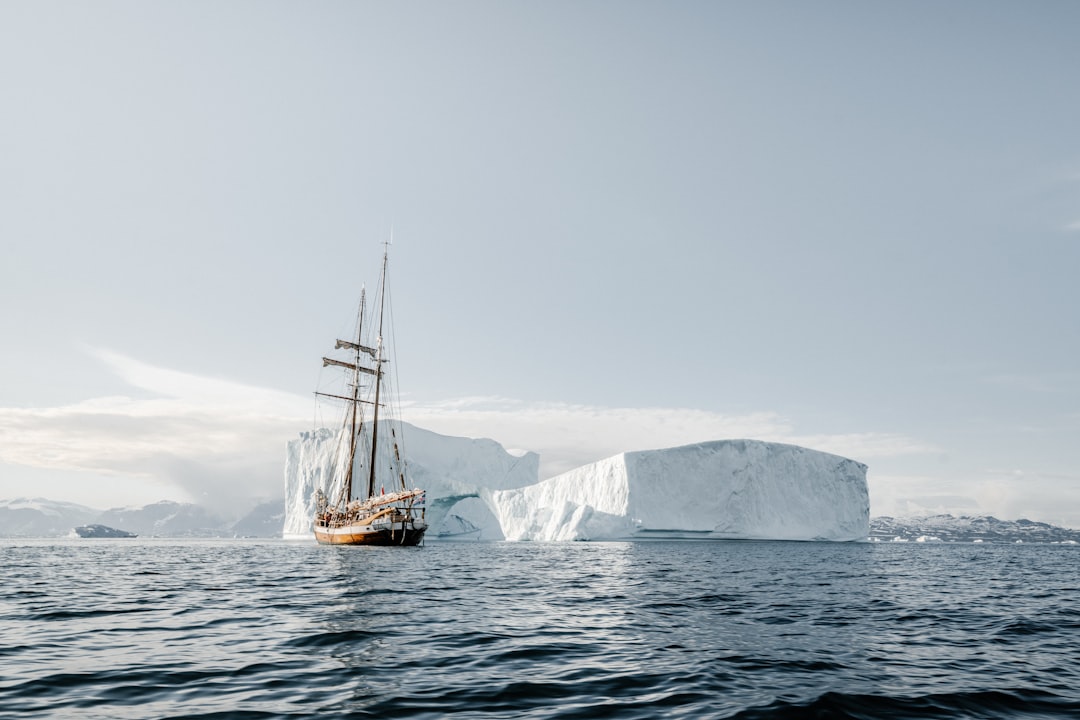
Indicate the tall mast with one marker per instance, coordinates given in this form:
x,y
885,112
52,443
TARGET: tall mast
x,y
355,397
378,376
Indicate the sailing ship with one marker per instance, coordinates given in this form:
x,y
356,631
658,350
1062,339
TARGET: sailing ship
x,y
373,452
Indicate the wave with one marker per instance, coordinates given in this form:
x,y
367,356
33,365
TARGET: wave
x,y
979,705
507,631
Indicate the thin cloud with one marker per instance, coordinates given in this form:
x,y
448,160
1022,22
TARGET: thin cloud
x,y
568,435
916,495
225,441
865,445
1006,494
196,390
211,437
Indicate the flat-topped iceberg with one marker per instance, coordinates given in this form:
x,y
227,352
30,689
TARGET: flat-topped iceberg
x,y
743,489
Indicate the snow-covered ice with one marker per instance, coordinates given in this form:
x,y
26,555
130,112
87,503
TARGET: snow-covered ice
x,y
743,489
723,489
452,470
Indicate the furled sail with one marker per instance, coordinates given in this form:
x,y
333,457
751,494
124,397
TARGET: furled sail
x,y
346,345
330,361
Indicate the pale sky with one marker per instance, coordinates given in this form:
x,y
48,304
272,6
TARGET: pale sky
x,y
617,226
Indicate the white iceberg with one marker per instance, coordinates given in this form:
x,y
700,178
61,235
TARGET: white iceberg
x,y
738,489
735,489
452,470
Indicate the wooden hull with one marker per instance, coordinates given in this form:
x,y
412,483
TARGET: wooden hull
x,y
362,534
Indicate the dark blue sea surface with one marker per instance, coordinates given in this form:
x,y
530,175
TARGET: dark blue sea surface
x,y
253,629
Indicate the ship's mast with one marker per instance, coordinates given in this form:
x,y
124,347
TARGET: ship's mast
x,y
355,397
378,376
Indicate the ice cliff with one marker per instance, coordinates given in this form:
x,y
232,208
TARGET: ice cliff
x,y
453,471
743,489
723,489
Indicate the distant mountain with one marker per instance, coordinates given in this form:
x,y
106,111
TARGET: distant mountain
x,y
166,519
265,520
981,528
38,517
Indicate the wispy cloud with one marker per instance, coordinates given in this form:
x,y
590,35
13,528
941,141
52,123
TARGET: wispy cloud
x,y
208,436
865,446
1009,493
225,440
187,390
568,435
908,495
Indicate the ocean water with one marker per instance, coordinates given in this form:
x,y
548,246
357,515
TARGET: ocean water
x,y
254,629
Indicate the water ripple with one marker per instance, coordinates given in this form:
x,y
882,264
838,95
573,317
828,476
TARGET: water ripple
x,y
151,628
